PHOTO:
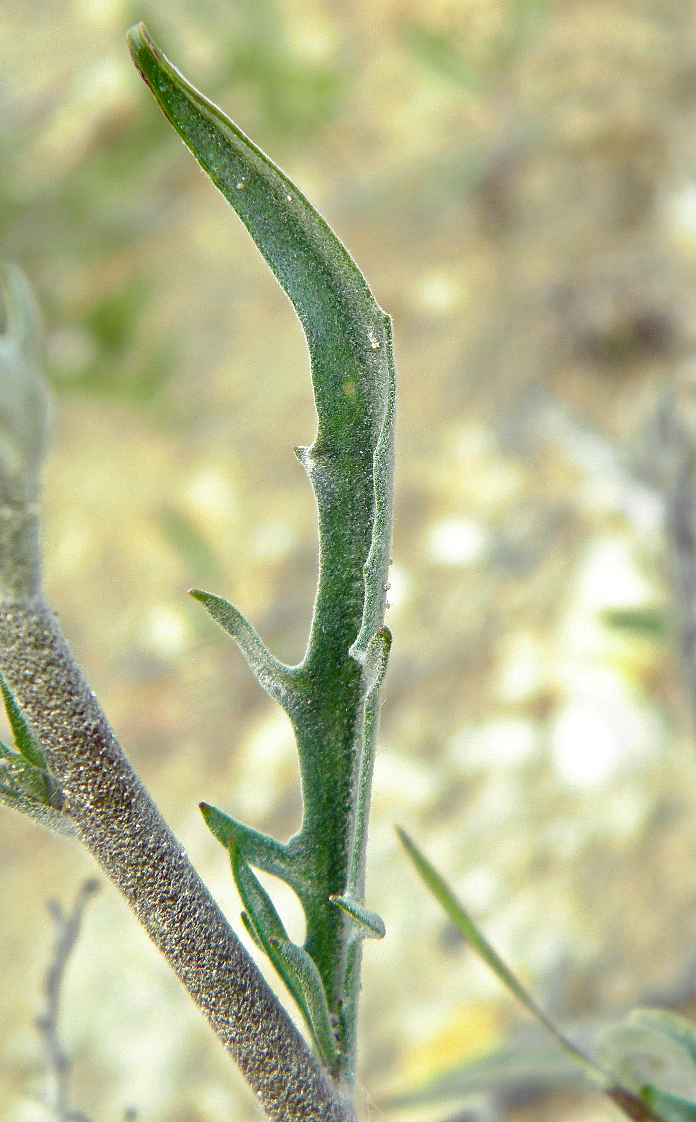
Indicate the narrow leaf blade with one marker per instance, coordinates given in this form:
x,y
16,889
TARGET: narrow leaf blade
x,y
23,737
259,906
258,849
277,679
307,978
456,912
251,931
294,965
369,924
263,923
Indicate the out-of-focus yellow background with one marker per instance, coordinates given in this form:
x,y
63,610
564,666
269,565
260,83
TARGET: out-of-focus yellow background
x,y
517,180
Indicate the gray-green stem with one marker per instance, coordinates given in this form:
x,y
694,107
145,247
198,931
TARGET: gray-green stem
x,y
122,828
102,799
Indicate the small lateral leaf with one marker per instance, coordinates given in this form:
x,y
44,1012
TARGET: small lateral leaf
x,y
251,930
376,658
23,738
293,964
377,564
463,922
304,970
669,1108
261,919
260,909
275,678
258,849
263,923
370,925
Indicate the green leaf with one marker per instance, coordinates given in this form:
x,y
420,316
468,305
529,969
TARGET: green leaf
x,y
293,964
307,978
350,467
370,925
251,931
670,1108
34,792
348,334
260,909
258,849
261,919
463,922
277,679
26,783
23,737
31,782
613,1084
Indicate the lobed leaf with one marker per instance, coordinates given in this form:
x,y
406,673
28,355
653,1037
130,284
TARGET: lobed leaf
x,y
332,696
258,849
344,325
277,679
260,909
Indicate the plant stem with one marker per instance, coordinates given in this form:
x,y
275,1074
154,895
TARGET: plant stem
x,y
57,1063
124,830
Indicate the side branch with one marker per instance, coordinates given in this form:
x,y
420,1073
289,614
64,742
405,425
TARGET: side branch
x,y
125,832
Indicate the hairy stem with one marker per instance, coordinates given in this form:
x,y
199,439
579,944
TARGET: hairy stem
x,y
124,830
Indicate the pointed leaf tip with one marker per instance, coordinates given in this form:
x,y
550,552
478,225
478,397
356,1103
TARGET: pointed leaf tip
x,y
23,737
475,938
369,924
275,678
140,45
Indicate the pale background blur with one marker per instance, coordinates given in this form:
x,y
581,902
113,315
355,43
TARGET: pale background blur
x,y
518,182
